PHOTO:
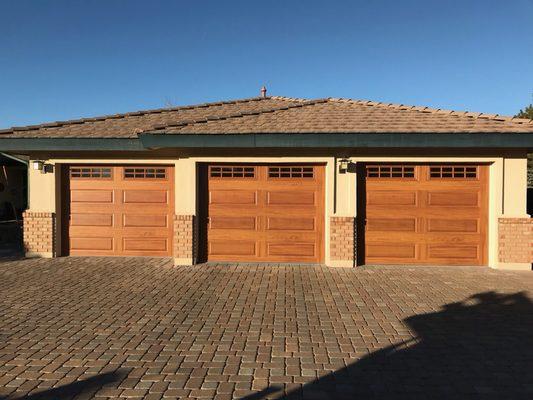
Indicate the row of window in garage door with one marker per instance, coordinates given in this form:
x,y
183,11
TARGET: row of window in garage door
x,y
406,213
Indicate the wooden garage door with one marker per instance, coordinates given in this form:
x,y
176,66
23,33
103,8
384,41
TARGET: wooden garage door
x,y
426,214
269,213
121,210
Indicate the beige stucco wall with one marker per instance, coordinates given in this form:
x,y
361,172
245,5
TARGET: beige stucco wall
x,y
507,186
41,188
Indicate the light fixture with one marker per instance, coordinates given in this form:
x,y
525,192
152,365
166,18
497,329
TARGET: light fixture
x,y
343,165
37,165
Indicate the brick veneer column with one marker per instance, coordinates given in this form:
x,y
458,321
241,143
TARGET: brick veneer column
x,y
515,240
184,239
39,234
342,241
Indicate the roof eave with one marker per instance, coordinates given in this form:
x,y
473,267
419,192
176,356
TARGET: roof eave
x,y
339,140
150,141
70,144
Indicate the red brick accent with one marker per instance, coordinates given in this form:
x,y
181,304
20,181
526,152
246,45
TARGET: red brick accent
x,y
342,238
39,233
184,236
515,240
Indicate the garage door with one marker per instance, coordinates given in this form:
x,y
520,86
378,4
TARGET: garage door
x,y
268,213
426,214
121,210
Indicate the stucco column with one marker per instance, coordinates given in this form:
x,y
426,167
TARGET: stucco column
x,y
40,233
515,227
185,208
342,239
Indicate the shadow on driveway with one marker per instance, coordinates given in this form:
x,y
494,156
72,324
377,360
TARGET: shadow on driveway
x,y
480,348
85,387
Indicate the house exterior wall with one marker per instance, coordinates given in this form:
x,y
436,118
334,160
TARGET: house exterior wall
x,y
507,197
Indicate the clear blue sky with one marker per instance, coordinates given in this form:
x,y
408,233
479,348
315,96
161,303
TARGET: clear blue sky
x,y
62,59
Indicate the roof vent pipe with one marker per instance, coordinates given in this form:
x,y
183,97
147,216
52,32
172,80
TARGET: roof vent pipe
x,y
263,92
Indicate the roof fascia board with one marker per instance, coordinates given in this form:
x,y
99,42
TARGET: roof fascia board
x,y
60,144
274,140
328,140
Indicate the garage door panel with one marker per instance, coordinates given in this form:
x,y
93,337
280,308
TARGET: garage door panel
x,y
133,216
453,252
290,236
451,212
145,196
146,244
91,219
391,224
392,250
453,199
91,243
233,248
453,225
233,222
451,238
392,197
292,249
437,218
91,196
288,223
147,220
291,198
394,236
91,231
233,235
233,197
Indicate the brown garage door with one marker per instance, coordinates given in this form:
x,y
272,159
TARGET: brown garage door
x,y
121,210
269,213
426,214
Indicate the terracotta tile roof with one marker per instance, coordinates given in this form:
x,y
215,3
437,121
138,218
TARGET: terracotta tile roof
x,y
278,115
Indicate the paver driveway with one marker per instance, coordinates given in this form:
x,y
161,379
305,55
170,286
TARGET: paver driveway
x,y
137,327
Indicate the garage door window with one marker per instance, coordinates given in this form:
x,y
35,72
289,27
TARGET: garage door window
x,y
452,172
390,171
229,171
145,173
90,172
290,172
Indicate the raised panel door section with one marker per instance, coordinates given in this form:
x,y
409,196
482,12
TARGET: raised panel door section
x,y
290,198
93,244
431,214
378,224
233,197
91,196
453,198
294,223
146,196
152,221
391,197
92,219
245,223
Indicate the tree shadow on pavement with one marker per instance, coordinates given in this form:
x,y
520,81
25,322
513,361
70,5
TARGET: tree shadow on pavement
x,y
480,348
87,387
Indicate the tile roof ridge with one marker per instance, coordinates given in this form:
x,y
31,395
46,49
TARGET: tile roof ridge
x,y
286,98
57,124
302,103
430,110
